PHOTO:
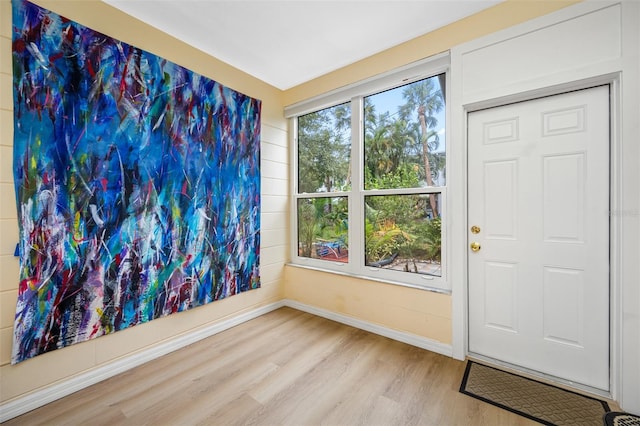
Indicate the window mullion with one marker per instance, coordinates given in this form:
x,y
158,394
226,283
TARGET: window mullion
x,y
293,176
405,191
356,201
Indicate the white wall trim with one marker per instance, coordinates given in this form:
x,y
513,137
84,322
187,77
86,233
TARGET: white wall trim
x,y
23,404
400,336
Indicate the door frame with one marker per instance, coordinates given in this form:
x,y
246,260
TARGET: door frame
x,y
472,66
615,229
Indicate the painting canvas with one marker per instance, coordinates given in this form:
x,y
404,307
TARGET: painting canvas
x,y
137,184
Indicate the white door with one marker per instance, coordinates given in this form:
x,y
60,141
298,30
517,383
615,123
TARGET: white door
x,y
539,194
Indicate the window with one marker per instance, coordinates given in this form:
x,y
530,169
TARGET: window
x,y
370,179
324,150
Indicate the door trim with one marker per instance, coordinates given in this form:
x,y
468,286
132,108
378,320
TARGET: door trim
x,y
615,230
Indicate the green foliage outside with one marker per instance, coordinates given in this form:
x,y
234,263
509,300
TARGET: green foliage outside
x,y
401,151
400,224
324,148
322,220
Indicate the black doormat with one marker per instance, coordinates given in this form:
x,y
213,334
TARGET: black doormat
x,y
529,398
616,418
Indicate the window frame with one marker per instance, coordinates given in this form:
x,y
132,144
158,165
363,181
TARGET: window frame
x,y
355,94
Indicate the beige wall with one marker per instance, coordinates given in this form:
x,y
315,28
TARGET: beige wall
x,y
64,363
400,308
419,312
422,313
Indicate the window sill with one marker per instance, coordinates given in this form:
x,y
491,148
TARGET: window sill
x,y
369,278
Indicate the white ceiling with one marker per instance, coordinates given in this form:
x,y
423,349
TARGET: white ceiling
x,y
288,42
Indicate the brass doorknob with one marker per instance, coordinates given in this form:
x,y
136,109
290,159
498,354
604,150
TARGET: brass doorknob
x,y
475,246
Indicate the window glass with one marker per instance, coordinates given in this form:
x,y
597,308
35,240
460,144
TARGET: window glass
x,y
371,192
324,148
323,228
402,233
404,143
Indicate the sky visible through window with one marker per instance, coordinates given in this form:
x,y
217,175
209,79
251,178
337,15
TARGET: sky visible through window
x,y
390,100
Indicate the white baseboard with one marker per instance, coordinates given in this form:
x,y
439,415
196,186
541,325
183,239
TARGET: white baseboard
x,y
401,336
23,404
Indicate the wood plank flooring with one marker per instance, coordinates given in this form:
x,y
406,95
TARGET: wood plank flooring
x,y
283,368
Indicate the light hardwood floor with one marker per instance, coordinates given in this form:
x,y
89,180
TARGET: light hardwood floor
x,y
284,368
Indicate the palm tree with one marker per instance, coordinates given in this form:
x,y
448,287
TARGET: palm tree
x,y
426,100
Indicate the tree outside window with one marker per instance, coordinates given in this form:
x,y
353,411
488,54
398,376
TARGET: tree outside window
x,y
399,184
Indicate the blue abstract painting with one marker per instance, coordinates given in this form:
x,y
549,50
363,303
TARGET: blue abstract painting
x,y
137,184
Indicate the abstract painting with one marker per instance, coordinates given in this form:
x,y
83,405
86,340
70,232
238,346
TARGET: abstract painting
x,y
137,185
